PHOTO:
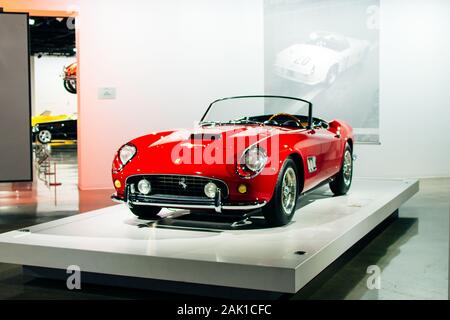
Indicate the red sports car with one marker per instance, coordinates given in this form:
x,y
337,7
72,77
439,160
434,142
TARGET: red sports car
x,y
70,78
248,154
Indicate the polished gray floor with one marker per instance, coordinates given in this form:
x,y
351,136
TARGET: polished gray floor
x,y
412,253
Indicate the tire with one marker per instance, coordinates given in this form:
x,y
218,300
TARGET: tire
x,y
70,87
275,212
145,212
44,136
332,75
343,180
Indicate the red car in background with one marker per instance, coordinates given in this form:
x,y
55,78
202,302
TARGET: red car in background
x,y
248,154
70,78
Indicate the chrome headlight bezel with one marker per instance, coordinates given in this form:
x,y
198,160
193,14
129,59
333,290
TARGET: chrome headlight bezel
x,y
210,190
126,153
252,162
144,186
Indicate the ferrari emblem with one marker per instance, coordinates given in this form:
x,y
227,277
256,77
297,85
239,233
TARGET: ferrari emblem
x,y
183,184
178,161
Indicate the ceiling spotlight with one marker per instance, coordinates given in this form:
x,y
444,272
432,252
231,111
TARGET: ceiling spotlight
x,y
74,49
59,19
31,22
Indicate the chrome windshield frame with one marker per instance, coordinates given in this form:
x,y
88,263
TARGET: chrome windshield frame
x,y
310,105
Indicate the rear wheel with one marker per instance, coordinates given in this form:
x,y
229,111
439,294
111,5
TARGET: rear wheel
x,y
145,212
280,210
343,180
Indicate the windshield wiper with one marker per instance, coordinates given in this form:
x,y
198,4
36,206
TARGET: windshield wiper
x,y
210,123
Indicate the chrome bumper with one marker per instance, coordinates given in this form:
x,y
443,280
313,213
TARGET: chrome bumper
x,y
217,206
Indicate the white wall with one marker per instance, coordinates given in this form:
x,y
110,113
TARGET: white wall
x,y
49,93
168,59
174,56
414,92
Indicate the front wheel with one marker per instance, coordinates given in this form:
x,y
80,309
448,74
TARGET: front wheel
x,y
280,210
332,75
44,136
343,180
145,212
70,86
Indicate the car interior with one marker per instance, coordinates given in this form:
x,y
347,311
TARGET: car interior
x,y
289,121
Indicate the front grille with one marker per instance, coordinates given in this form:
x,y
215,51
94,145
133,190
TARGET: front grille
x,y
178,185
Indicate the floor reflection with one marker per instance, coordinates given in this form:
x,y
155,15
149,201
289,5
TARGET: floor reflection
x,y
349,272
207,221
28,203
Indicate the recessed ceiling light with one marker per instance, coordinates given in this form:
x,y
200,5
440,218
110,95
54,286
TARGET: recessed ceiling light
x,y
31,22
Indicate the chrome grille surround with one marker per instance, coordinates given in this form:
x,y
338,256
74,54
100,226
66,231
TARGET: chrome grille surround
x,y
177,185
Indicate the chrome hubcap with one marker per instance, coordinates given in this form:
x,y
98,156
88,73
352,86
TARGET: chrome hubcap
x,y
45,136
289,191
348,167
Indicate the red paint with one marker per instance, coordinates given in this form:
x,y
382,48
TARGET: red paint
x,y
154,155
70,72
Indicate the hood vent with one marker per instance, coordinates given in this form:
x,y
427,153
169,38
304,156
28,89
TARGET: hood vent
x,y
205,136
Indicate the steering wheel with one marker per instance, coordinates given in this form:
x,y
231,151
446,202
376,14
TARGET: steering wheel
x,y
297,120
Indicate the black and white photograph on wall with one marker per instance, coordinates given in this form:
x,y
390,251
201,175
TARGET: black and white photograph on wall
x,y
326,52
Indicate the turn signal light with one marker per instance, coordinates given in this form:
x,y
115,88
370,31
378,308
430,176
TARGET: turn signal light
x,y
117,184
242,188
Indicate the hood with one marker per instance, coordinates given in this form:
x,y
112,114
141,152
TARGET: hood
x,y
244,135
193,148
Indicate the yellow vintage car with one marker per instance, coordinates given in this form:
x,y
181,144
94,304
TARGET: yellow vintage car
x,y
47,116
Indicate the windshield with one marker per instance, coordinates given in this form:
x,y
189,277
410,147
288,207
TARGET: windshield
x,y
328,40
255,109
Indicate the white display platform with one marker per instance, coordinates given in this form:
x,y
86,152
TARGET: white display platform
x,y
112,241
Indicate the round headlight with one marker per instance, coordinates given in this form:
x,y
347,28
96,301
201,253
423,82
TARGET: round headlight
x,y
144,186
127,153
210,190
255,159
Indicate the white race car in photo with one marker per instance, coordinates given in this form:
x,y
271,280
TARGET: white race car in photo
x,y
321,59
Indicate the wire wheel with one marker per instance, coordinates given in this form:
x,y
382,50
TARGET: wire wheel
x,y
348,167
289,191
